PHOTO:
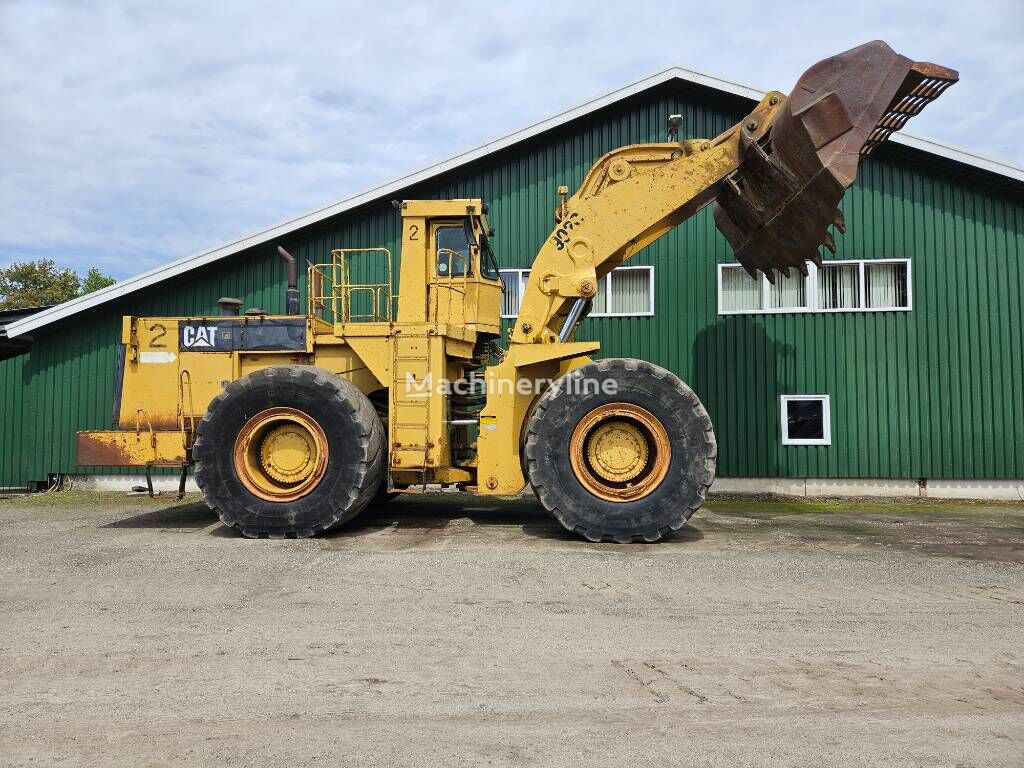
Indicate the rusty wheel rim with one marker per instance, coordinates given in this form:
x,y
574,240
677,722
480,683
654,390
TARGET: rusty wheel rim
x,y
281,454
620,452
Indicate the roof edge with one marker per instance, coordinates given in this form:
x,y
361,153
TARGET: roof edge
x,y
965,156
203,258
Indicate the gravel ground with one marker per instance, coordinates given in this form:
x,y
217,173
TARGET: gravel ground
x,y
453,631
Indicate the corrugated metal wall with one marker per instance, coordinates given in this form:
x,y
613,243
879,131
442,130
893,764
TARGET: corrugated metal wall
x,y
935,392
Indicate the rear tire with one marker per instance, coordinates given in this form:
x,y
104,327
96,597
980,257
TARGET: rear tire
x,y
329,460
628,465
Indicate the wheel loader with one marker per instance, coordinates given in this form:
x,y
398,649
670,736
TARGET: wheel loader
x,y
295,423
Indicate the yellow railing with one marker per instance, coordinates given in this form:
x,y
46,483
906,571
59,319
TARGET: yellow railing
x,y
331,290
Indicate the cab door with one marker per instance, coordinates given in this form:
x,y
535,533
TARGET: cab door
x,y
451,298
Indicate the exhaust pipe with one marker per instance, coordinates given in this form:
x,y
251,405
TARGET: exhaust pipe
x,y
291,296
229,307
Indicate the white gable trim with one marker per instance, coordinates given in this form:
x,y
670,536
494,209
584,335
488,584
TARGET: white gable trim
x,y
146,279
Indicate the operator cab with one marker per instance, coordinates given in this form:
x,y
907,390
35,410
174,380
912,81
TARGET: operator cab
x,y
462,286
466,288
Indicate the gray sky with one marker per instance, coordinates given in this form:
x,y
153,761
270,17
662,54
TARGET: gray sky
x,y
136,133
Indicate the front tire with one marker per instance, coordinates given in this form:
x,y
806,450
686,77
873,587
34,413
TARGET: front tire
x,y
289,451
620,450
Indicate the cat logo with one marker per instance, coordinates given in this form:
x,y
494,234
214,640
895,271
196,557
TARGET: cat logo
x,y
199,336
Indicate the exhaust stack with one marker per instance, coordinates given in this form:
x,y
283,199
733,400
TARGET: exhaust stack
x,y
291,295
229,307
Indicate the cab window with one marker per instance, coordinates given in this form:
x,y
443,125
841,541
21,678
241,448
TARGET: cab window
x,y
488,264
453,238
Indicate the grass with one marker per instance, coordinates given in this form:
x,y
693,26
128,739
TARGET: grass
x,y
779,505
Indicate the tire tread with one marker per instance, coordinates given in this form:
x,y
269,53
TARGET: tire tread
x,y
560,501
346,398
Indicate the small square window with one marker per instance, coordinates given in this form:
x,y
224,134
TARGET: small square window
x,y
806,420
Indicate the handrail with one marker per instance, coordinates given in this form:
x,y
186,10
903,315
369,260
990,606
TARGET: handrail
x,y
184,376
140,413
330,289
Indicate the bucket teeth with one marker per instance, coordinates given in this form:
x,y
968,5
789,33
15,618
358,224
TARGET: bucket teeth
x,y
776,208
840,222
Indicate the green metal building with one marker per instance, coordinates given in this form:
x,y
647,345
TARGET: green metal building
x,y
896,368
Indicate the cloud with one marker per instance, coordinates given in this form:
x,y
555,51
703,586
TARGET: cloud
x,y
137,133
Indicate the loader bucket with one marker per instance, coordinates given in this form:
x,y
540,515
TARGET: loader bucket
x,y
775,210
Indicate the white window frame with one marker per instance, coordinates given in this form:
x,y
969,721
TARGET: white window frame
x,y
524,275
826,418
811,290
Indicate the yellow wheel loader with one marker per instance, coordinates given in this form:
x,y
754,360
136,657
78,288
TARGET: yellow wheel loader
x,y
295,423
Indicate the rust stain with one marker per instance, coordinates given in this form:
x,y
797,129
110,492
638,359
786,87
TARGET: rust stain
x,y
123,448
94,452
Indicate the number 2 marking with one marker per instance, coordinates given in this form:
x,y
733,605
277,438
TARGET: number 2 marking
x,y
155,339
414,232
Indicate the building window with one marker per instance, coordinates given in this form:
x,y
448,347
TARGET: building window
x,y
838,286
867,285
623,292
738,291
787,292
514,281
886,285
806,420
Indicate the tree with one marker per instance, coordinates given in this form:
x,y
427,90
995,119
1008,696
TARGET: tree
x,y
36,283
94,280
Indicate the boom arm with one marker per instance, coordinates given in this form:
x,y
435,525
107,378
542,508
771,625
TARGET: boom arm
x,y
778,176
631,197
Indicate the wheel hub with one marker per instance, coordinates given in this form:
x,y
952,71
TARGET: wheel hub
x,y
281,454
617,451
287,453
620,452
